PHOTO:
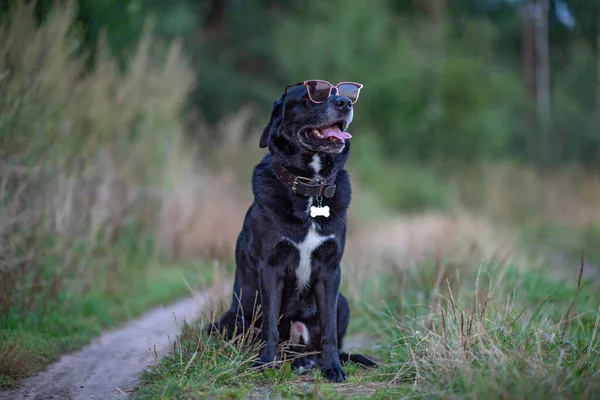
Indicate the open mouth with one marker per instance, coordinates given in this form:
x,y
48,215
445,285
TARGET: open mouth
x,y
333,133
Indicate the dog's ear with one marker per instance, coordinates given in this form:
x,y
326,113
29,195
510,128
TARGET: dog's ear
x,y
274,124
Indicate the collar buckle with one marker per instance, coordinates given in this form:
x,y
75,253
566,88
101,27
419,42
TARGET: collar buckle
x,y
299,178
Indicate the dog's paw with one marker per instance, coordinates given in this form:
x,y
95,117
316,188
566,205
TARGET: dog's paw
x,y
364,361
265,361
358,359
333,373
304,364
261,366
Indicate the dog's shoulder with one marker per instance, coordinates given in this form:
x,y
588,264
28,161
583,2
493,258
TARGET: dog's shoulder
x,y
272,198
343,191
263,169
342,180
264,183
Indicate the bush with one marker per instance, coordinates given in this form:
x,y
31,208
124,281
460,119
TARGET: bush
x,y
82,153
400,186
423,105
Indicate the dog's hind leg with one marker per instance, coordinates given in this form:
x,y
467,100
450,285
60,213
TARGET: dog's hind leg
x,y
343,319
243,316
300,342
232,324
271,283
358,359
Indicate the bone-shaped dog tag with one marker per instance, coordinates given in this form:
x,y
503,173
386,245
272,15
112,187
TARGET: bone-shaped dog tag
x,y
319,211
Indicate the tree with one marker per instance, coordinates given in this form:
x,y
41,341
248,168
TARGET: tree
x,y
536,69
598,64
528,61
542,76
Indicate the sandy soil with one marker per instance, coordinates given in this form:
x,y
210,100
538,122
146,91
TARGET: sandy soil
x,y
110,366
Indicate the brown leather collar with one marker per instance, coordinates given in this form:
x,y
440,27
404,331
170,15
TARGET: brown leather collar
x,y
303,186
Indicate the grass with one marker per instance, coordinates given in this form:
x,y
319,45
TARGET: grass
x,y
35,333
451,305
91,154
472,330
564,241
97,185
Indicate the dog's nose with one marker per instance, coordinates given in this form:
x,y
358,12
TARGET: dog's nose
x,y
343,103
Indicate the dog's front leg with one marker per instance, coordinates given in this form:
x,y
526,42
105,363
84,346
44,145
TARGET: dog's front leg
x,y
326,293
270,281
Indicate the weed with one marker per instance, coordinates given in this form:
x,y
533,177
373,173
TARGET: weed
x,y
446,327
86,157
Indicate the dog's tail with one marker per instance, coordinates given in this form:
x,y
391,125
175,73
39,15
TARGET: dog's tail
x,y
358,359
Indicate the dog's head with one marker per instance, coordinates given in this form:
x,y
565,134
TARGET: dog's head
x,y
312,127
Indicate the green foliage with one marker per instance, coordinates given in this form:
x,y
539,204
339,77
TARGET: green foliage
x,y
575,104
514,339
422,107
566,243
124,22
85,154
441,93
440,330
433,93
454,97
211,366
57,111
399,186
57,325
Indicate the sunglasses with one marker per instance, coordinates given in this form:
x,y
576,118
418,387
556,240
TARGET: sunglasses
x,y
319,91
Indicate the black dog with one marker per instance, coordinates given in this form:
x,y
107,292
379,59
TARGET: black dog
x,y
287,254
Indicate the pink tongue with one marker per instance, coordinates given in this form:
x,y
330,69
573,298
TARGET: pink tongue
x,y
334,131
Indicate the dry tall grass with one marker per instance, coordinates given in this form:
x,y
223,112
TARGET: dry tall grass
x,y
486,340
83,153
204,206
89,154
90,159
513,193
489,203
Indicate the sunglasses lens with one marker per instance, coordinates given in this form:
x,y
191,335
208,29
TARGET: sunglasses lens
x,y
349,90
318,91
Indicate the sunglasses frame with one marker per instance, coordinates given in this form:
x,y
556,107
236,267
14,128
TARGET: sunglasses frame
x,y
305,83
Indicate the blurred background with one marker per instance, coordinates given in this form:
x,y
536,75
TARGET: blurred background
x,y
129,130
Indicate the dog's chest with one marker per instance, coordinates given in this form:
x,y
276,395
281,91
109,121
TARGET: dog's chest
x,y
306,248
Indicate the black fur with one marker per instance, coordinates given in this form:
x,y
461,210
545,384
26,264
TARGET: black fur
x,y
311,343
266,253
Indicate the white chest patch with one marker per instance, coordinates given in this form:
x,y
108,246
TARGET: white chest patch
x,y
315,164
306,248
310,203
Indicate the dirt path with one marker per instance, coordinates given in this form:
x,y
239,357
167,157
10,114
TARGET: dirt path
x,y
110,366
